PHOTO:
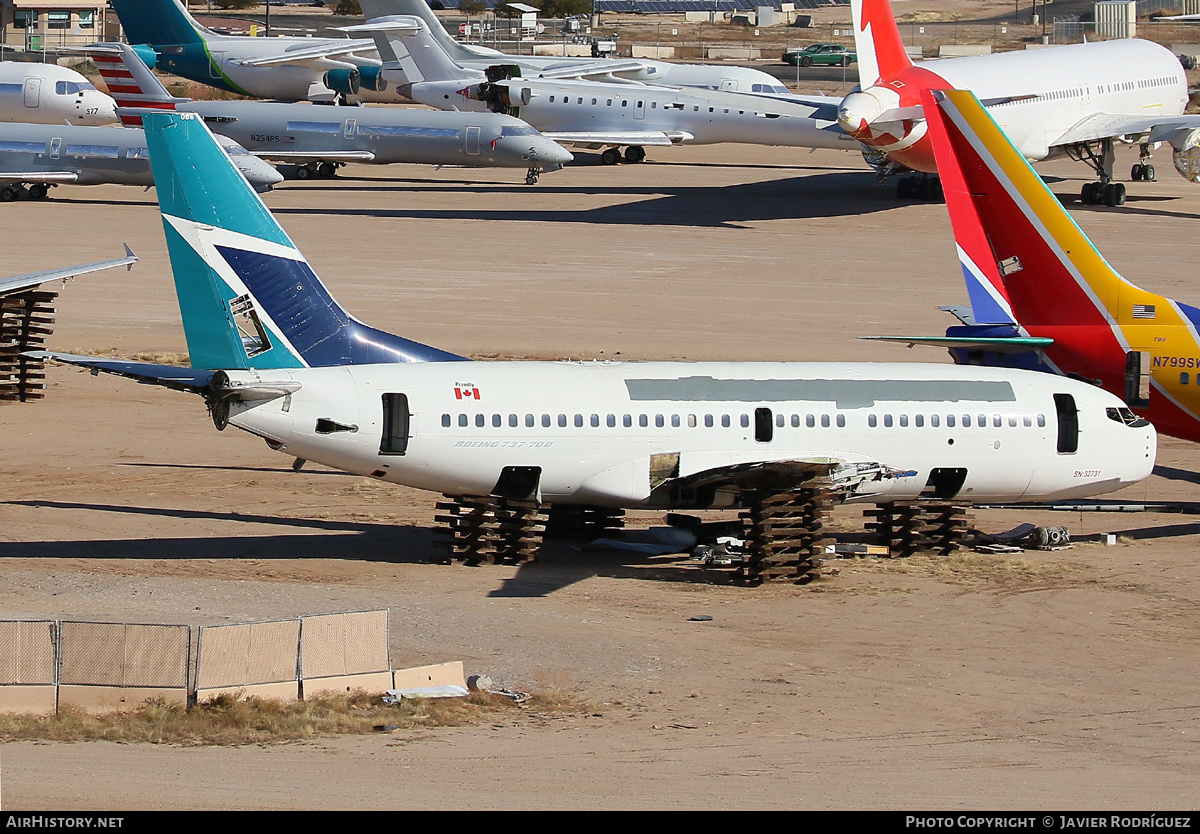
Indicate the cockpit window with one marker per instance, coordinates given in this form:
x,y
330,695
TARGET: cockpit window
x,y
515,130
71,88
1124,415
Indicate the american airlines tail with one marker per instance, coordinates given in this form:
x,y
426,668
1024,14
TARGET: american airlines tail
x,y
158,21
877,41
247,295
130,81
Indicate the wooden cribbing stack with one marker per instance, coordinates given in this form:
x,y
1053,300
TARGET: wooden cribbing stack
x,y
581,521
26,319
911,527
487,529
786,533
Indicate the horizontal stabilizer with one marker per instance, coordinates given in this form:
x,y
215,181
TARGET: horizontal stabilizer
x,y
170,376
32,279
1015,344
310,54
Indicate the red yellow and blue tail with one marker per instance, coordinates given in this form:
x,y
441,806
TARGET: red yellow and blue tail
x,y
1034,276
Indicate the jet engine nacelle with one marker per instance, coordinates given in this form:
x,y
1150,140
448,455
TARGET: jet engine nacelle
x,y
500,97
344,81
371,78
1185,153
147,54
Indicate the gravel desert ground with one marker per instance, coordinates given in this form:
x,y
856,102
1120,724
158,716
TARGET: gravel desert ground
x,y
1061,680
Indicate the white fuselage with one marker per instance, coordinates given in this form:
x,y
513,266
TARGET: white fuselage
x,y
50,94
1036,96
692,116
599,432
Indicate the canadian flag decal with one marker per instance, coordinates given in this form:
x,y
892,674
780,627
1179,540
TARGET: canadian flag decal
x,y
466,391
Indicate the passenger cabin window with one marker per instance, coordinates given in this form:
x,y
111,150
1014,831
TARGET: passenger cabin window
x,y
395,424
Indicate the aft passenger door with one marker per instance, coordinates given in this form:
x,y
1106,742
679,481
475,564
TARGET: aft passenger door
x,y
396,425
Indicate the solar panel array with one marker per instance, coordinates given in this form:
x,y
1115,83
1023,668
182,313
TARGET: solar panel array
x,y
679,6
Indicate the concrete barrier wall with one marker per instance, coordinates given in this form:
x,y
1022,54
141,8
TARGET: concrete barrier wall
x,y
27,670
114,666
259,659
343,652
658,53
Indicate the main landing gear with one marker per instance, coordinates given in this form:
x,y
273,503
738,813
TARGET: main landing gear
x,y
316,170
12,193
1102,157
633,154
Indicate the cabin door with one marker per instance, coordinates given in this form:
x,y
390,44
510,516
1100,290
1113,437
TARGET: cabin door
x,y
472,141
396,425
33,89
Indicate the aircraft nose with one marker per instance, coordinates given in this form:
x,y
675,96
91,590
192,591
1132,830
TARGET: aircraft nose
x,y
99,109
857,111
550,151
261,175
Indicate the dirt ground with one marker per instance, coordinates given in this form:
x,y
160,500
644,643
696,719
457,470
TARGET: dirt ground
x,y
1061,680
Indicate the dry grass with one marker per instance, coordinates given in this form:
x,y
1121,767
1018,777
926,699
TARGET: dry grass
x,y
235,721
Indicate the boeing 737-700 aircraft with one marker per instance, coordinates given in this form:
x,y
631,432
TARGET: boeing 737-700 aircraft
x,y
275,355
1042,296
318,139
50,94
1077,100
594,114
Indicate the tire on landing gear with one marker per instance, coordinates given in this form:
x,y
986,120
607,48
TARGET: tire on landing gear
x,y
303,172
611,156
1142,171
1087,195
635,153
1113,194
8,194
38,191
325,170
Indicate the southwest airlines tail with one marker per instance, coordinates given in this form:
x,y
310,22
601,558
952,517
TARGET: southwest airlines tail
x,y
1033,275
158,22
247,296
877,41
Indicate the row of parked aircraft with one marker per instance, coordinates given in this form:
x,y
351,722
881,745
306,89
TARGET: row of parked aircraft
x,y
1077,100
332,389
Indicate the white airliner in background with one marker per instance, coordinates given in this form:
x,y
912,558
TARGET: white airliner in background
x,y
594,114
326,387
709,76
50,94
1077,100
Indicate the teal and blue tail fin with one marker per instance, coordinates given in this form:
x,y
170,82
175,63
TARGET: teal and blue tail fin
x,y
247,296
158,22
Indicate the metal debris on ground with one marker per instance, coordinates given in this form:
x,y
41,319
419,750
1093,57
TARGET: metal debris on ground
x,y
450,690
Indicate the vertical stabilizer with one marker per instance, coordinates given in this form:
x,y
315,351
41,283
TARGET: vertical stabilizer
x,y
420,8
406,41
130,81
247,296
158,22
1040,261
877,41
